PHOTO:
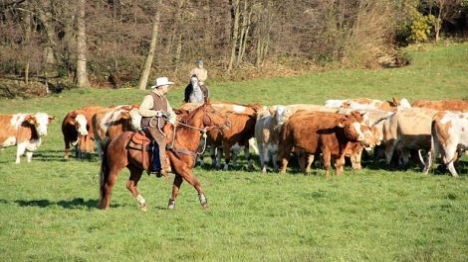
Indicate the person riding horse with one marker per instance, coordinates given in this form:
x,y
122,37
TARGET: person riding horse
x,y
155,111
195,92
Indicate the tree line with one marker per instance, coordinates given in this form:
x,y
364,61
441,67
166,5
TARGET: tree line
x,y
117,43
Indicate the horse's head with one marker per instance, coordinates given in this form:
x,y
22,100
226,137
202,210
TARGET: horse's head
x,y
214,118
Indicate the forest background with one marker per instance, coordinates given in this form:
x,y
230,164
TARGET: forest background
x,y
49,45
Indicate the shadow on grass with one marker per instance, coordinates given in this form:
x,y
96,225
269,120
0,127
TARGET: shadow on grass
x,y
77,203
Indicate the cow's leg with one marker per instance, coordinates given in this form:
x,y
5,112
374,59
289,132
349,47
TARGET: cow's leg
x,y
21,148
265,158
309,161
356,159
339,164
326,155
247,157
301,161
451,155
261,156
132,183
235,152
389,151
274,156
227,155
29,155
213,150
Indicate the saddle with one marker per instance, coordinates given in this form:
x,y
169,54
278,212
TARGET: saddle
x,y
139,141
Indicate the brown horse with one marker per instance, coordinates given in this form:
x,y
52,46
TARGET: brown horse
x,y
183,141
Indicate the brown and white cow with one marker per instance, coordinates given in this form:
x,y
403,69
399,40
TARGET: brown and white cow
x,y
108,123
449,137
77,130
407,130
441,105
24,131
311,133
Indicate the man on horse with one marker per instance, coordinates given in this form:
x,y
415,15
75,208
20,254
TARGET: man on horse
x,y
200,72
155,111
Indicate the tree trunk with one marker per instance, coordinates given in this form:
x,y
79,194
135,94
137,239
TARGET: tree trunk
x,y
81,73
235,13
149,59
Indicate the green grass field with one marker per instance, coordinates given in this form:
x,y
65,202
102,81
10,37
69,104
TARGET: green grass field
x,y
48,207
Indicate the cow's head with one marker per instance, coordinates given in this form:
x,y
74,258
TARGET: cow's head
x,y
352,125
80,123
42,122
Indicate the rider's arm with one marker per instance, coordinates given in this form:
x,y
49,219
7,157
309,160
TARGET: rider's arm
x,y
145,107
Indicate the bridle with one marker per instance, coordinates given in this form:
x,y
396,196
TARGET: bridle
x,y
202,130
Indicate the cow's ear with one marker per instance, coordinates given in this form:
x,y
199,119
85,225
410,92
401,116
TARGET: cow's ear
x,y
51,118
342,122
31,119
73,115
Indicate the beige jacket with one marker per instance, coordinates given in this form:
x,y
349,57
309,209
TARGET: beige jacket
x,y
201,73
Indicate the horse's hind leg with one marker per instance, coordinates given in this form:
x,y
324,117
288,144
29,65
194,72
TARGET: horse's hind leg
x,y
132,183
108,179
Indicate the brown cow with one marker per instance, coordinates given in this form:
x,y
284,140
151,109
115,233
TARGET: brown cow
x,y
312,133
242,119
78,131
24,131
441,105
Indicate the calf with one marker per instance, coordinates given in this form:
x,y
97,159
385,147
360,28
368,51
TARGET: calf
x,y
24,131
449,137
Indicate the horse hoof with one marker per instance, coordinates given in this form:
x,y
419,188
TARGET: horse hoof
x,y
171,205
205,207
144,208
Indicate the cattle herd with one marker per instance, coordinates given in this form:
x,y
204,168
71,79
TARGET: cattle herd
x,y
424,131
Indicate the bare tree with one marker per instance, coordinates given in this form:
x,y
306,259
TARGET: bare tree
x,y
149,58
446,11
81,49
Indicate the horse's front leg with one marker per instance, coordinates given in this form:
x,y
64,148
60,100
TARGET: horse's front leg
x,y
188,176
175,191
132,183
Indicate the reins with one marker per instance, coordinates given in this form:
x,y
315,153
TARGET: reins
x,y
204,136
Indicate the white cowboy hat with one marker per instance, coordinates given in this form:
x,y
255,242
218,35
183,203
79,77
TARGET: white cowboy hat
x,y
161,81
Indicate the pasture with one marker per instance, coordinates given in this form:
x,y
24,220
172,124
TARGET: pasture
x,y
48,207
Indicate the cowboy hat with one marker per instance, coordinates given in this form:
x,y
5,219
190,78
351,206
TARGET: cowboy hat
x,y
161,81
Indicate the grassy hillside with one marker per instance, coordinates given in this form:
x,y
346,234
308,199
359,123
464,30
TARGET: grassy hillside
x,y
48,207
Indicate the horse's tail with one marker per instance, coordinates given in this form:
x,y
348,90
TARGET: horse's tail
x,y
103,174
